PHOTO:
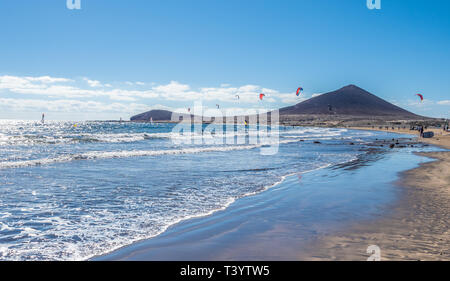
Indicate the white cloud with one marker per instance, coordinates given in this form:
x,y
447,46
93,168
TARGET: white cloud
x,y
249,88
395,102
48,79
444,102
64,105
93,83
90,95
138,83
174,91
52,87
243,94
173,86
291,98
213,111
11,82
315,95
419,104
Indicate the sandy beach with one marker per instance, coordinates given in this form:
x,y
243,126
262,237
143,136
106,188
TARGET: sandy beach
x,y
417,227
323,217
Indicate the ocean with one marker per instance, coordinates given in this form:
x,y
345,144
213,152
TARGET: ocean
x,y
72,191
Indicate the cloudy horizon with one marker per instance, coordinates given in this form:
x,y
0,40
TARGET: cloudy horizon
x,y
113,59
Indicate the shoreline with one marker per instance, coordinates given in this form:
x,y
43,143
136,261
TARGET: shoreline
x,y
441,138
203,216
417,226
173,244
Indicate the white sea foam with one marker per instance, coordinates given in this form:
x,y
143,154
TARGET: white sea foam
x,y
93,155
228,202
26,133
73,251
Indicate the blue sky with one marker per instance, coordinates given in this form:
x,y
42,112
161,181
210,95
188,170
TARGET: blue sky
x,y
116,58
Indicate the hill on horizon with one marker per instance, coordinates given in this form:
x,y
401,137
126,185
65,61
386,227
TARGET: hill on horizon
x,y
350,100
155,115
158,115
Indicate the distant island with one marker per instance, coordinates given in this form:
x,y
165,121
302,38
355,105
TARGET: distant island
x,y
348,106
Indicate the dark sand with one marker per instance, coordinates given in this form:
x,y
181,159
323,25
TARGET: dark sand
x,y
417,228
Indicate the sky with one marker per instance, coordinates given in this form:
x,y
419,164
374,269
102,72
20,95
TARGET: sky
x,y
114,59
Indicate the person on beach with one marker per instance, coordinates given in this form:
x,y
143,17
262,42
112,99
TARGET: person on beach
x,y
421,131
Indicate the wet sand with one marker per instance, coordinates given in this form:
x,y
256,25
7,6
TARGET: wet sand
x,y
416,228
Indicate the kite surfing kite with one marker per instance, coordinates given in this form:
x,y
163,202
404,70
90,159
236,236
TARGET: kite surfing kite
x,y
261,96
237,96
299,90
420,96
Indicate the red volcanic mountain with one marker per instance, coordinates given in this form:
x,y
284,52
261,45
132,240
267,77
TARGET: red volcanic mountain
x,y
349,100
